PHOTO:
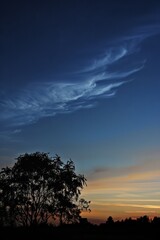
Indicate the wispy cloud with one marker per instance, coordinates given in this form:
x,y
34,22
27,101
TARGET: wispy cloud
x,y
97,80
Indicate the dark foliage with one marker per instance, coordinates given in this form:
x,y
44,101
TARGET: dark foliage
x,y
38,189
128,229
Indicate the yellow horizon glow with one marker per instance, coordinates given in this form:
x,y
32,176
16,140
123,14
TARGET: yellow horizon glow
x,y
123,192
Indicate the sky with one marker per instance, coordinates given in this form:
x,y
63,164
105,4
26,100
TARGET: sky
x,y
80,79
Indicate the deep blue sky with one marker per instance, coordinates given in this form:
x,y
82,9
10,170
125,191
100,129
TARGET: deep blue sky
x,y
80,79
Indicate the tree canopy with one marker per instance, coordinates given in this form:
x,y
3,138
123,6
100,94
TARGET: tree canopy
x,y
39,188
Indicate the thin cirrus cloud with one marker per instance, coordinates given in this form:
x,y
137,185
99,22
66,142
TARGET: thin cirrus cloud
x,y
96,81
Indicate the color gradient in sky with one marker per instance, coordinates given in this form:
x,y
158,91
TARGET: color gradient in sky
x,y
81,79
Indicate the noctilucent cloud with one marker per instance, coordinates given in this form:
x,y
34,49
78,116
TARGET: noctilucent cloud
x,y
80,79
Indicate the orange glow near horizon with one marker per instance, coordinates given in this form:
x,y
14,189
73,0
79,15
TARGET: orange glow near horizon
x,y
123,193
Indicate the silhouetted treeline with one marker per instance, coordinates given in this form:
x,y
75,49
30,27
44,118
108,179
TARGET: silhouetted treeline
x,y
40,189
140,228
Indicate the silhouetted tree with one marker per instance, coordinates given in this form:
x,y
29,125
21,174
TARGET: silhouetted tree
x,y
143,219
110,220
38,188
156,220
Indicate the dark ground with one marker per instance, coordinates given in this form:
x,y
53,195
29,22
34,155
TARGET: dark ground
x,y
86,232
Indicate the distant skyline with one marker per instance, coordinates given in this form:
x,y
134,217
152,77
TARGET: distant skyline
x,y
80,79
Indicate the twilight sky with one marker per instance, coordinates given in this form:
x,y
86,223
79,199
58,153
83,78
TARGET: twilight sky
x,y
80,79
